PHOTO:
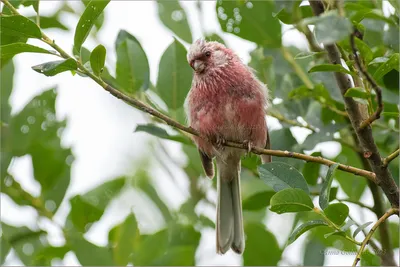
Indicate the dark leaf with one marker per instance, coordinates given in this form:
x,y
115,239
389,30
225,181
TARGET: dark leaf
x,y
337,212
10,50
314,254
369,259
161,133
279,176
304,228
55,67
90,254
329,68
19,26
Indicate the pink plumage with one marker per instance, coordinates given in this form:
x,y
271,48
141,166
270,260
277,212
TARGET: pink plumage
x,y
226,102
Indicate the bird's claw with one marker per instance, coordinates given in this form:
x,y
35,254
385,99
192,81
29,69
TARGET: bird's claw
x,y
218,142
249,145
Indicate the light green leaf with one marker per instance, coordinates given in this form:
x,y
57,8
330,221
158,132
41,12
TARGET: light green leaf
x,y
123,240
256,252
86,22
311,170
390,64
50,23
98,59
356,92
133,73
150,248
291,200
314,253
174,17
174,76
19,26
161,133
304,228
248,19
304,55
10,50
279,176
258,201
359,229
329,68
55,67
326,187
337,212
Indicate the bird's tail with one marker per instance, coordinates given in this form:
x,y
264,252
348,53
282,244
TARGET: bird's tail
x,y
229,227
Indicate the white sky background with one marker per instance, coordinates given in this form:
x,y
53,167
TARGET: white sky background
x,y
100,131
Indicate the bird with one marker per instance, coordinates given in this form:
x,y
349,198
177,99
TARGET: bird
x,y
226,101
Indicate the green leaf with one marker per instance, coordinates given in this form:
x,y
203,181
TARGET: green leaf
x,y
390,64
288,16
394,233
133,73
279,176
329,68
161,133
89,207
256,252
369,259
248,19
356,92
150,248
324,32
98,59
45,256
86,22
90,254
19,26
55,67
326,186
10,50
258,201
314,253
337,212
291,200
174,17
123,240
36,131
6,83
360,228
174,76
304,228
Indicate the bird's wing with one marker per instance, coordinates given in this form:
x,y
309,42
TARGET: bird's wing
x,y
207,164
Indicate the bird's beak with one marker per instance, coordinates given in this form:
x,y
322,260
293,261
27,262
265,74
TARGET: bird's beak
x,y
197,65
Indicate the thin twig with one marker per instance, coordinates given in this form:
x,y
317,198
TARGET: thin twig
x,y
282,118
376,115
296,67
391,157
371,232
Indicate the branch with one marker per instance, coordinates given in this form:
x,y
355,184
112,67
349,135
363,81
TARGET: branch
x,y
145,108
367,143
376,115
371,232
391,157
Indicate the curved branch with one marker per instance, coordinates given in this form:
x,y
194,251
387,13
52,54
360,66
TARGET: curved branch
x,y
372,231
376,115
391,157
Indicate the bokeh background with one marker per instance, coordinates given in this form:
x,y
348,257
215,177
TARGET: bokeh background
x,y
159,182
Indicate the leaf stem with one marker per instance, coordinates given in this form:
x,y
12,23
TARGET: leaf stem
x,y
372,231
391,157
333,225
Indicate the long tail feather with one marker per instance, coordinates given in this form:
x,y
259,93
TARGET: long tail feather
x,y
229,225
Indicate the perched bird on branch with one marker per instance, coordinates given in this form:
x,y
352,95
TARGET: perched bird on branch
x,y
226,102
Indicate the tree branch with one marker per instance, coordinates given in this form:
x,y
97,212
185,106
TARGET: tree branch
x,y
376,115
371,232
391,157
356,116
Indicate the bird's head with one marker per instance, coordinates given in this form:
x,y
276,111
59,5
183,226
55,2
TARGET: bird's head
x,y
204,56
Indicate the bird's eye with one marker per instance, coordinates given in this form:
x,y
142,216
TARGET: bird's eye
x,y
208,54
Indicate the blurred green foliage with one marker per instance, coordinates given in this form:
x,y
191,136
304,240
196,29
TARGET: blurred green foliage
x,y
303,92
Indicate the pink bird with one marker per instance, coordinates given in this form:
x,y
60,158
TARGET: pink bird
x,y
226,102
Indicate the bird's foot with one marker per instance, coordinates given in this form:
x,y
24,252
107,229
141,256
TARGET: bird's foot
x,y
218,142
249,145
